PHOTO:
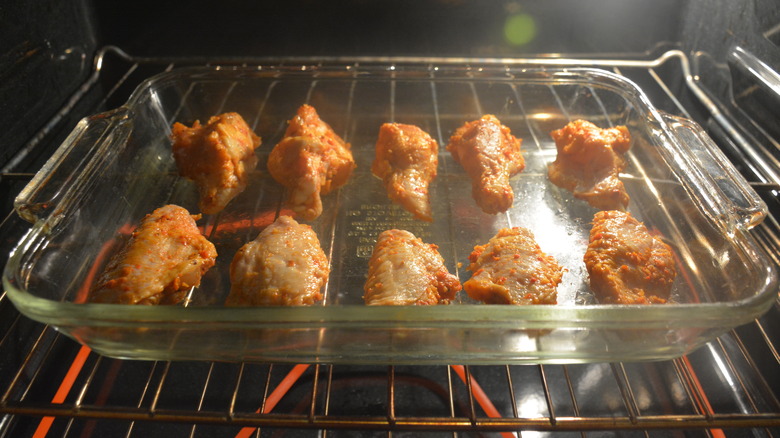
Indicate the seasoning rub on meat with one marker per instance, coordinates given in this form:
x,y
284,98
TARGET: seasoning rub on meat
x,y
512,269
627,264
165,256
283,266
403,270
406,160
589,162
218,156
310,160
490,154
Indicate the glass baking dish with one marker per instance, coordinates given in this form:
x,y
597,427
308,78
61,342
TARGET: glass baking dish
x,y
117,166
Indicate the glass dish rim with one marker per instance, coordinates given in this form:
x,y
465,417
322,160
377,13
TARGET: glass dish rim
x,y
707,315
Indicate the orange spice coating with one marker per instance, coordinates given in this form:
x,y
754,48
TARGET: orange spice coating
x,y
626,264
403,270
512,269
589,162
218,156
283,266
406,160
164,257
490,154
310,160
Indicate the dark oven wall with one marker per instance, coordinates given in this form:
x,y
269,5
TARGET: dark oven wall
x,y
387,28
46,52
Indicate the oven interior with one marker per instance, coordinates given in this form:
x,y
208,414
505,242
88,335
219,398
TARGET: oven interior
x,y
713,62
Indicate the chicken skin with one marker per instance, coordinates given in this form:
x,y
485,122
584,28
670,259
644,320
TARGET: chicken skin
x,y
165,256
490,154
512,269
406,160
283,266
589,161
626,264
310,160
403,270
217,156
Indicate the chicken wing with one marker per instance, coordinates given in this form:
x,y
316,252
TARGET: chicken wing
x,y
589,161
283,266
164,257
627,264
512,269
217,156
403,270
310,160
490,154
406,160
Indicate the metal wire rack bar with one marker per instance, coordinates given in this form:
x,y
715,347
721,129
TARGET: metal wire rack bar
x,y
561,386
567,423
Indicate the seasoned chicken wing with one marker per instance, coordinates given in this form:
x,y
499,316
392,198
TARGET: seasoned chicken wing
x,y
405,271
217,156
589,161
406,160
283,266
627,264
512,269
164,257
490,154
310,160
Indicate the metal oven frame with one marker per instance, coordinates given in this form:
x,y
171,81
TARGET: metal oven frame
x,y
48,383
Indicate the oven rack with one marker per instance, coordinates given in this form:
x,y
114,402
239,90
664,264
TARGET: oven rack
x,y
48,383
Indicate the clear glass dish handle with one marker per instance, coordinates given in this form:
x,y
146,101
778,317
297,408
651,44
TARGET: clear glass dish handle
x,y
713,180
67,173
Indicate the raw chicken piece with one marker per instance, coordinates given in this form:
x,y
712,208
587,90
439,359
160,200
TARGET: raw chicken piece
x,y
512,269
310,160
406,160
589,162
217,156
404,270
283,266
164,257
490,154
626,264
